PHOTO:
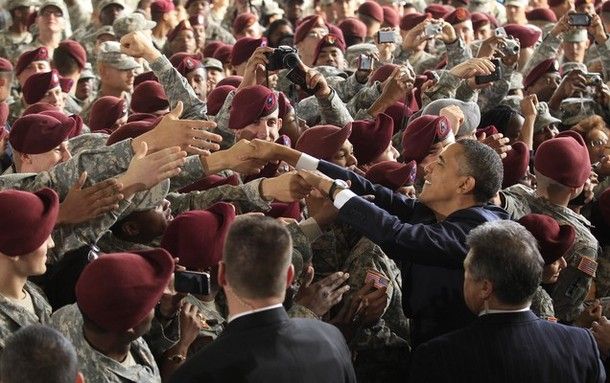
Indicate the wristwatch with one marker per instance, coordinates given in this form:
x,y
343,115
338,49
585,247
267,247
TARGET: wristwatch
x,y
337,184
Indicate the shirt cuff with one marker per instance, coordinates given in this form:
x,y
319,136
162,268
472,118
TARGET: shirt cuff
x,y
342,197
307,162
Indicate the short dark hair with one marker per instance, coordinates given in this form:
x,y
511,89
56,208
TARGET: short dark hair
x,y
256,255
483,164
505,253
38,354
64,62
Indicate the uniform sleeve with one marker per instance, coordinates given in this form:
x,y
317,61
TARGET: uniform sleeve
x,y
222,123
604,55
446,87
191,171
492,96
548,48
177,89
333,110
364,98
346,88
513,202
457,53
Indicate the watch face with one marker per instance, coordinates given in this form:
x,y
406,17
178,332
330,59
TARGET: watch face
x,y
342,184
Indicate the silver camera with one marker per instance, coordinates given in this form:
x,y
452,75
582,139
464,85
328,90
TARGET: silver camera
x,y
433,29
510,47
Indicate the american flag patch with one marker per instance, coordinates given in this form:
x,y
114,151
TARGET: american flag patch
x,y
379,280
587,266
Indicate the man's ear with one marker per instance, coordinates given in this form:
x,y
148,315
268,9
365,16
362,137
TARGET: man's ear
x,y
289,275
130,228
222,278
486,290
468,185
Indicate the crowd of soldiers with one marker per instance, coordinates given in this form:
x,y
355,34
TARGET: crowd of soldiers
x,y
379,133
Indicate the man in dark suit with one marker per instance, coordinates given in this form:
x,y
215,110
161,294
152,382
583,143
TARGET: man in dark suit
x,y
507,343
260,342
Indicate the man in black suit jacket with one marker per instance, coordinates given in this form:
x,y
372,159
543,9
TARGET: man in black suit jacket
x,y
260,343
507,343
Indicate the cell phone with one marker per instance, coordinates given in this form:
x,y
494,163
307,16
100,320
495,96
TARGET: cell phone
x,y
386,37
579,19
495,76
192,282
297,76
365,63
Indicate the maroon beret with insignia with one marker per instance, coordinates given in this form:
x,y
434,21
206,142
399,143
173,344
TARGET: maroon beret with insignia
x,y
38,84
26,58
421,134
234,81
323,141
328,41
392,174
250,104
223,53
564,159
371,137
210,47
74,119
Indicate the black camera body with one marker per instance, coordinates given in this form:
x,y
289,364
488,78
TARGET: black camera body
x,y
283,57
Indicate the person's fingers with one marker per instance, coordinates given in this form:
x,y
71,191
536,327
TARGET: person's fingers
x,y
141,150
176,112
334,280
80,182
335,296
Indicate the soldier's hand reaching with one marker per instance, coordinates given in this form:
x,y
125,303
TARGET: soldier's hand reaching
x,y
191,322
83,204
137,44
416,36
315,80
455,116
239,158
288,187
190,135
321,296
147,170
497,142
529,106
473,67
254,67
561,26
596,29
448,34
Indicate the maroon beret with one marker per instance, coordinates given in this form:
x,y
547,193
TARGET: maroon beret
x,y
515,164
162,6
130,130
411,20
244,48
459,15
188,65
210,47
197,20
335,30
328,41
76,51
371,137
38,84
420,135
26,220
392,174
372,10
216,98
438,11
285,210
73,119
383,73
184,25
546,66
398,111
250,104
554,240
197,237
234,81
5,65
105,112
306,26
243,21
149,97
223,53
352,26
323,141
118,291
479,19
38,107
283,104
527,36
390,16
142,117
564,159
146,76
541,14
210,182
177,58
488,130
605,7
26,58
37,133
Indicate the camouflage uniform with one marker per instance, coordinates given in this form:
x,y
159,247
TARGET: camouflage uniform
x,y
12,46
97,367
492,96
570,290
300,311
542,304
548,48
215,32
13,316
110,243
178,89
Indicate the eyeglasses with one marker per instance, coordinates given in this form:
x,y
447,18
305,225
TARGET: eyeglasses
x,y
48,11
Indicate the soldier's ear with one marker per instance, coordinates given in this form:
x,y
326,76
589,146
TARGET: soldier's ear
x,y
80,378
130,228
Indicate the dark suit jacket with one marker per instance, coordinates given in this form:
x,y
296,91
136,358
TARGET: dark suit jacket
x,y
270,347
430,253
510,347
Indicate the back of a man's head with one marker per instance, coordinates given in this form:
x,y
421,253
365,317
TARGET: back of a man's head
x,y
256,257
484,165
37,354
506,254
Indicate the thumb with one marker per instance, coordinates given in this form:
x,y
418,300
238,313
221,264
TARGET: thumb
x,y
141,150
177,111
308,276
81,181
483,136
